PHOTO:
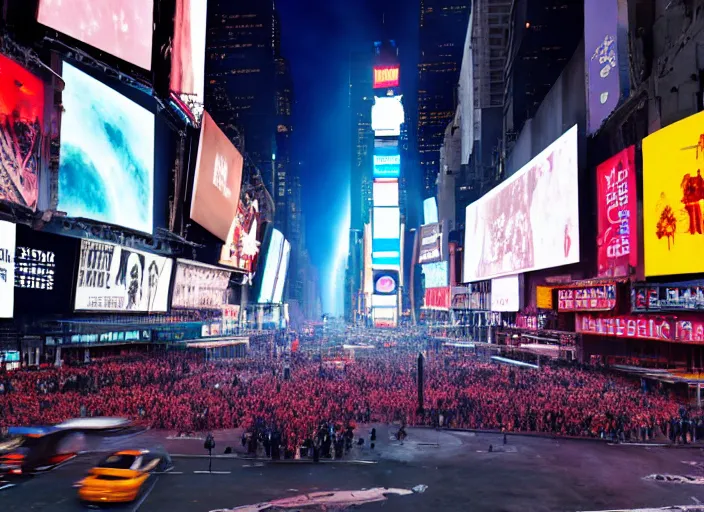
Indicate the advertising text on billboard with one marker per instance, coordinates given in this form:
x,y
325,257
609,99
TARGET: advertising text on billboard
x,y
587,298
21,130
680,329
386,77
530,221
617,215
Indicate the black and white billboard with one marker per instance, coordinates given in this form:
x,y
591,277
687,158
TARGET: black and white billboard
x,y
115,278
199,286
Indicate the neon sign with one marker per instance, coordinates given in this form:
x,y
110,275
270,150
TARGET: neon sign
x,y
387,76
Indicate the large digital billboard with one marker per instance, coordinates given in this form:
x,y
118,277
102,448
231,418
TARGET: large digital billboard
x,y
122,28
385,193
673,191
21,129
387,116
386,252
386,77
386,223
216,186
188,50
282,273
199,286
115,278
272,262
507,294
617,215
606,58
242,250
430,210
106,168
530,221
7,268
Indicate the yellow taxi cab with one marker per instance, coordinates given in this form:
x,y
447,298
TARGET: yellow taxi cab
x,y
120,477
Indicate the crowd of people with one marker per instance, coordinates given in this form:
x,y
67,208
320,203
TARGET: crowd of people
x,y
292,399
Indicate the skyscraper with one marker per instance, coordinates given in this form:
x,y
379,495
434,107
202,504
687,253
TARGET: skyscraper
x,y
443,27
544,34
241,49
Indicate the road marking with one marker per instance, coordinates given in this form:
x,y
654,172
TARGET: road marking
x,y
168,473
145,495
696,500
6,486
213,472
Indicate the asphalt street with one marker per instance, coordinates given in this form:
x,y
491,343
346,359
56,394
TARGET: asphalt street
x,y
460,473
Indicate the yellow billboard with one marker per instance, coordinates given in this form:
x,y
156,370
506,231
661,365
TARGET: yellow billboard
x,y
673,195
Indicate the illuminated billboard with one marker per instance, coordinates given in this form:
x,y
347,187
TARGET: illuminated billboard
x,y
617,215
386,223
122,28
386,77
386,160
431,243
430,211
271,270
436,274
282,273
606,58
216,186
188,51
115,278
21,130
530,221
242,250
7,268
385,282
385,193
507,293
386,253
673,191
387,116
199,286
106,167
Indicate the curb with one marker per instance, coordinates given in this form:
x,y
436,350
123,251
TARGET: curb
x,y
270,461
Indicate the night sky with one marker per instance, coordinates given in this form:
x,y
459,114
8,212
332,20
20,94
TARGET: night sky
x,y
317,38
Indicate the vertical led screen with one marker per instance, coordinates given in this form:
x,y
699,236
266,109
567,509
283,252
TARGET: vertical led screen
x,y
106,169
606,56
216,186
7,268
115,278
271,267
431,244
385,193
242,250
617,214
530,221
188,50
199,286
21,129
430,211
673,191
122,28
282,272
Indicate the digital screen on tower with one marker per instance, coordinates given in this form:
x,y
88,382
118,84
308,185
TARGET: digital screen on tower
x,y
386,223
386,77
387,159
387,116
